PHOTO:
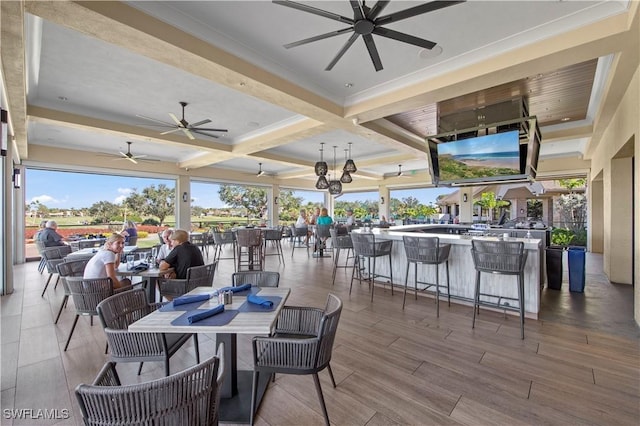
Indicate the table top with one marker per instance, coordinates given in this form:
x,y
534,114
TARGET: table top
x,y
243,323
90,251
151,272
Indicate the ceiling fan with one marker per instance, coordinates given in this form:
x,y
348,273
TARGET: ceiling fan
x,y
260,171
184,126
129,156
366,21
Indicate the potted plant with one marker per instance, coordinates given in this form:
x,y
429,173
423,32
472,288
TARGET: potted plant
x,y
560,239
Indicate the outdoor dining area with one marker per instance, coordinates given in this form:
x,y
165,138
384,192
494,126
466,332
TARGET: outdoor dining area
x,y
245,330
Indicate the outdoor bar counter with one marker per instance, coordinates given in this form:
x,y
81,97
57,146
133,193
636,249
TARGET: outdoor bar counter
x,y
462,272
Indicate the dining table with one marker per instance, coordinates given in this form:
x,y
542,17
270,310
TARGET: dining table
x,y
151,274
239,318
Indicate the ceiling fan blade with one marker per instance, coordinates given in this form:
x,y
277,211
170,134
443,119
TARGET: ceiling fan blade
x,y
405,38
199,123
358,12
342,51
175,129
133,160
174,118
138,156
377,9
413,11
315,11
200,132
373,51
318,37
164,123
123,154
207,129
187,132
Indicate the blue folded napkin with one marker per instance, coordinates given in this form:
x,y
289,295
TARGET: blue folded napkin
x,y
257,300
237,289
190,298
205,314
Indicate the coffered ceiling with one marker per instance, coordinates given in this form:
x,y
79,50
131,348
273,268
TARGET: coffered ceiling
x,y
78,76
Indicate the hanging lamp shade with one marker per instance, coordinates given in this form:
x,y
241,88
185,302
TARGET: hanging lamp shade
x,y
349,165
321,168
322,183
335,187
346,177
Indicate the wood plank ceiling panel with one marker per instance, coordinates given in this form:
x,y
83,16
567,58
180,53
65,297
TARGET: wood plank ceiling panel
x,y
553,97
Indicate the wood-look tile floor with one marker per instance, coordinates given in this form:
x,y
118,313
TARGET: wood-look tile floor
x,y
392,366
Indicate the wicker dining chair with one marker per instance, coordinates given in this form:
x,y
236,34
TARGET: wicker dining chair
x,y
197,276
190,397
119,311
302,344
87,294
53,256
73,268
256,278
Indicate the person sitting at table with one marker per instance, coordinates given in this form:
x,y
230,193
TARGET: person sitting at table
x,y
167,246
350,219
104,264
43,225
129,231
314,217
323,219
183,256
49,236
303,222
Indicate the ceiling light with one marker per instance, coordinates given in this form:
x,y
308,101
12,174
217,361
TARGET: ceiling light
x,y
335,186
566,119
428,54
321,167
349,165
348,85
63,98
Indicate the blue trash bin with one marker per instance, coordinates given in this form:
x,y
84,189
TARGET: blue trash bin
x,y
576,257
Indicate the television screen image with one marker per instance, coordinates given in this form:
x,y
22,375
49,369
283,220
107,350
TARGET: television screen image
x,y
490,156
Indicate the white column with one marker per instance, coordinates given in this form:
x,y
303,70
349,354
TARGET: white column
x,y
465,201
384,201
274,207
183,203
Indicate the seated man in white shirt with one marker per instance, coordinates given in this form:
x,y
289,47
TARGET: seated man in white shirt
x,y
165,248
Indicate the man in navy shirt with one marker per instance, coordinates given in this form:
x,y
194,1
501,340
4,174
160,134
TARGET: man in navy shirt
x,y
183,256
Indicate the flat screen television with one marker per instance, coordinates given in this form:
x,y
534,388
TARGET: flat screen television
x,y
503,154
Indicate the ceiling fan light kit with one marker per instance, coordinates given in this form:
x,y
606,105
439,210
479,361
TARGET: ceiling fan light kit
x,y
366,22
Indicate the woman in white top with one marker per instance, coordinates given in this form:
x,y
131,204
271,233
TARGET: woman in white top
x,y
104,263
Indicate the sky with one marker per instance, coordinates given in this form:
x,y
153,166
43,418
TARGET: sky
x,y
64,190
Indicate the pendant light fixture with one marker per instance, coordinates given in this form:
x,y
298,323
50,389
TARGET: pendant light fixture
x,y
321,167
322,183
346,176
349,165
335,186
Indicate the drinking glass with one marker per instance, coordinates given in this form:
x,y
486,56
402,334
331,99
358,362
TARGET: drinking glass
x,y
131,261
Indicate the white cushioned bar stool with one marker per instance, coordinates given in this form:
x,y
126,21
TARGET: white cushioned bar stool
x,y
502,258
426,251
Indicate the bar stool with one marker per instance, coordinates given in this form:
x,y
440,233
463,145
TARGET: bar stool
x,y
503,258
220,240
340,242
275,237
249,247
297,234
366,247
426,251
